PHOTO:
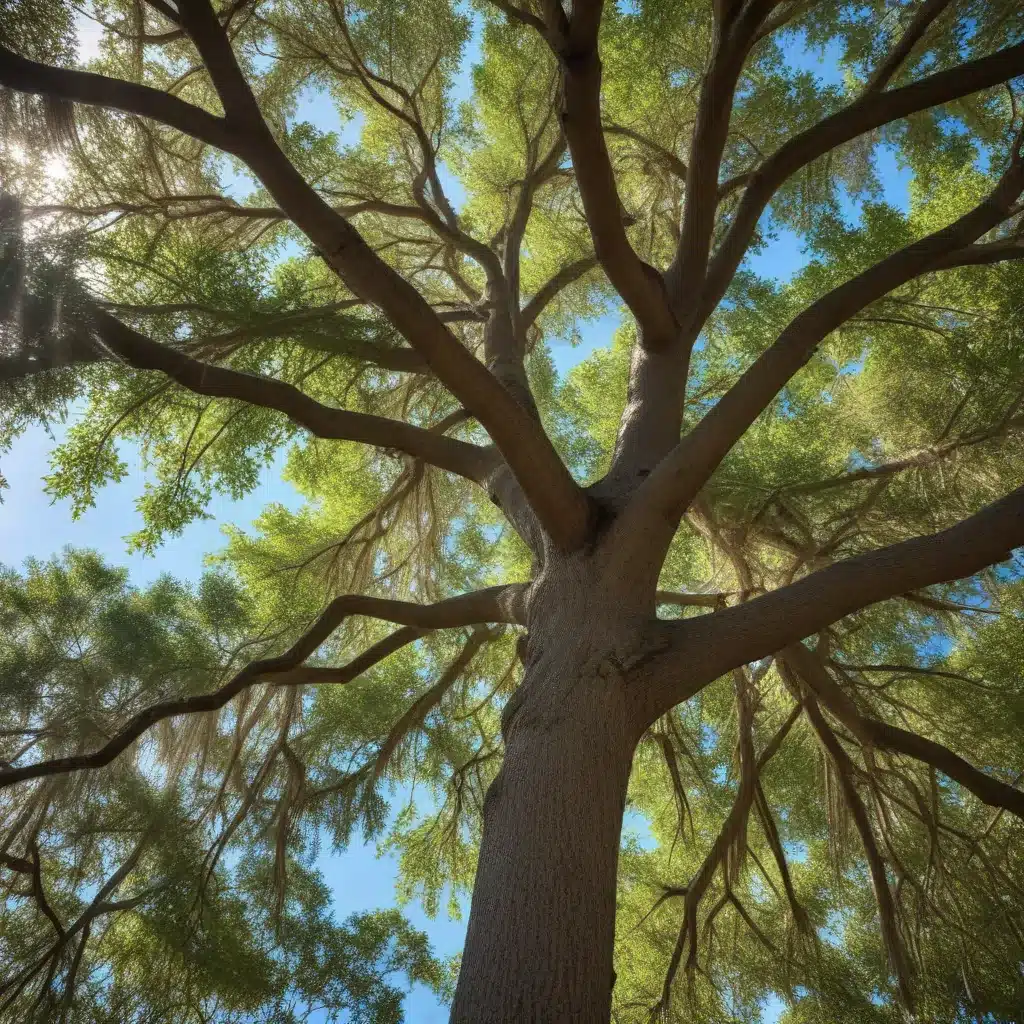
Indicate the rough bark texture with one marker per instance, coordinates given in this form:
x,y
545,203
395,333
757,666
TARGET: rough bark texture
x,y
542,925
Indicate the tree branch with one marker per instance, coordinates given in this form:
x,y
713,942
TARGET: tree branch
x,y
495,604
24,75
879,881
864,115
569,274
468,460
926,14
747,632
558,502
873,732
639,284
651,518
417,712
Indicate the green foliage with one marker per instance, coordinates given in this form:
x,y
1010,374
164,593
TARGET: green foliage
x,y
209,831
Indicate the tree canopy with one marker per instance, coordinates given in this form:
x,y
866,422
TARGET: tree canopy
x,y
372,306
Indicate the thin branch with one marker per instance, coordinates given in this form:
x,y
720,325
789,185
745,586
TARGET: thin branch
x,y
894,59
495,604
569,274
864,115
879,881
417,712
873,732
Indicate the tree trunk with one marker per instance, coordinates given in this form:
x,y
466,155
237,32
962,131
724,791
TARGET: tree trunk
x,y
542,926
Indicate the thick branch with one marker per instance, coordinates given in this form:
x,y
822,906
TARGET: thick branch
x,y
747,632
639,284
654,512
864,115
495,604
559,503
24,75
459,457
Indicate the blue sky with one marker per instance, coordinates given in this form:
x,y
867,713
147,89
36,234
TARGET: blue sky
x,y
32,525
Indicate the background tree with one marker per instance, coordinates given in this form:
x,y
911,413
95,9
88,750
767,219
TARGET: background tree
x,y
750,569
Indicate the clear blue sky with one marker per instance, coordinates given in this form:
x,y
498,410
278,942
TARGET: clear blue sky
x,y
32,525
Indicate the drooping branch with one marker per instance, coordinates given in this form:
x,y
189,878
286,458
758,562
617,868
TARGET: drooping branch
x,y
417,712
495,604
876,866
732,829
873,732
747,632
651,518
863,115
556,499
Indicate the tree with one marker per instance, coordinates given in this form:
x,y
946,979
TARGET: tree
x,y
749,570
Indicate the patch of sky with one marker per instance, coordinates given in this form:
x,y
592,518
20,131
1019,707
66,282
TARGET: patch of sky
x,y
820,61
796,850
708,738
835,925
771,1008
32,524
594,334
362,878
636,830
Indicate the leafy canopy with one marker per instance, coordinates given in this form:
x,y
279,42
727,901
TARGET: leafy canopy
x,y
179,881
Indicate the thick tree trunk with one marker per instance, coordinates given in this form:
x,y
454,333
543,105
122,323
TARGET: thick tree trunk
x,y
542,926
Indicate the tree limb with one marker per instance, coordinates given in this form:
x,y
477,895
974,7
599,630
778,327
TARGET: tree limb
x,y
495,604
873,732
640,285
468,460
863,115
925,15
757,628
655,509
558,502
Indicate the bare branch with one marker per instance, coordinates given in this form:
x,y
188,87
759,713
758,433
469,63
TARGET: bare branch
x,y
496,604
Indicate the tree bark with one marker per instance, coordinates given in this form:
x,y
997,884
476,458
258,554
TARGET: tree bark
x,y
542,926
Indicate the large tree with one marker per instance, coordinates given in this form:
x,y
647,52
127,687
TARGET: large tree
x,y
748,570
